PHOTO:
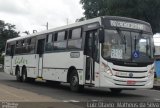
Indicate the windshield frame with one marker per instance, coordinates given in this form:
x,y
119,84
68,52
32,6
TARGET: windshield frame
x,y
130,61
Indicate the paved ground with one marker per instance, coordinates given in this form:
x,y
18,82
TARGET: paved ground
x,y
13,91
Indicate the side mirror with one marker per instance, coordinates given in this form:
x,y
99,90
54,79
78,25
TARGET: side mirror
x,y
101,35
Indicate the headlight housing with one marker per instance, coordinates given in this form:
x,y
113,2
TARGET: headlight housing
x,y
106,69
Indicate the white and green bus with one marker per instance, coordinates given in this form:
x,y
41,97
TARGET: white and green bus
x,y
110,51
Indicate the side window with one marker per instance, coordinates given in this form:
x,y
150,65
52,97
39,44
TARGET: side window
x,y
18,47
23,47
31,45
60,40
75,33
8,49
75,40
61,36
49,43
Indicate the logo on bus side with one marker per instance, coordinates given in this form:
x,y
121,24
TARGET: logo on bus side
x,y
20,60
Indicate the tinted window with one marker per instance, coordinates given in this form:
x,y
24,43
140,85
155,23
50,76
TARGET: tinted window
x,y
76,33
19,47
75,41
49,38
31,46
60,40
25,46
49,43
61,36
8,49
60,45
75,44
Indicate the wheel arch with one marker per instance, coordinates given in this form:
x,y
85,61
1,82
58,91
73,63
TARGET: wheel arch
x,y
17,67
69,73
23,67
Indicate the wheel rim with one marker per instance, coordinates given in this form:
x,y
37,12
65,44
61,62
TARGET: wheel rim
x,y
74,81
24,77
18,75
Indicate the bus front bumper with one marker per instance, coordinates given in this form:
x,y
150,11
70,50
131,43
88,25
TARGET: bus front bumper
x,y
129,83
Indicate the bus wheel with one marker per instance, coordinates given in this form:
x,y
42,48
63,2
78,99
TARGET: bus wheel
x,y
74,82
18,76
24,75
115,90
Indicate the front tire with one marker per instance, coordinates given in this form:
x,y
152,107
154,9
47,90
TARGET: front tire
x,y
74,82
24,75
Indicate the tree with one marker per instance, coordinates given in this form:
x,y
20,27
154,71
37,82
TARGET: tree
x,y
147,10
7,31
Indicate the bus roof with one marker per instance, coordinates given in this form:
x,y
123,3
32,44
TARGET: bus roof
x,y
90,21
98,19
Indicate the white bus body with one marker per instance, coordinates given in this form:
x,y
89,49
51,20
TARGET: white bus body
x,y
58,54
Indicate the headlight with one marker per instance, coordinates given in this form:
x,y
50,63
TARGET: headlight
x,y
106,69
151,72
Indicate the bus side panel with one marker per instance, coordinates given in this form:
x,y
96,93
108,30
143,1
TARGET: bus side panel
x,y
30,61
56,65
7,64
97,74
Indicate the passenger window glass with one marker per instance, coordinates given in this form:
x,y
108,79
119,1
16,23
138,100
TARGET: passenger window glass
x,y
55,36
8,49
75,44
76,33
49,44
60,45
49,40
22,43
61,36
75,41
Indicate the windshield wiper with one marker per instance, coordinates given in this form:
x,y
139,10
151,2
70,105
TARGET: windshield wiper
x,y
135,39
122,37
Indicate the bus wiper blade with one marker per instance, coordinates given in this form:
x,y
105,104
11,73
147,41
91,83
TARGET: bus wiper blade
x,y
123,38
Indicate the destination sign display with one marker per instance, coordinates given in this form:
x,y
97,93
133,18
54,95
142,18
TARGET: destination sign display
x,y
124,24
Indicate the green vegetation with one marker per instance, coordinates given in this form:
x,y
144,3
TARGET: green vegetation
x,y
7,31
147,10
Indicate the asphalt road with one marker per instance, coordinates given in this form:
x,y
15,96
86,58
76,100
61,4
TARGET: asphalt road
x,y
63,93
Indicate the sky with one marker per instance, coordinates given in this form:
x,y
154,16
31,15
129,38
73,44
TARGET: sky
x,y
29,15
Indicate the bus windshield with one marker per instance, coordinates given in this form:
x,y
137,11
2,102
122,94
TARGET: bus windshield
x,y
127,46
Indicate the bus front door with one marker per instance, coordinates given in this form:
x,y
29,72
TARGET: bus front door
x,y
91,52
40,51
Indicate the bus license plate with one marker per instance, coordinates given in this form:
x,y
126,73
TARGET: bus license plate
x,y
131,82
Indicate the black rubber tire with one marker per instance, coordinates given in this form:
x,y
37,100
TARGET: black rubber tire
x,y
18,76
24,75
116,91
74,82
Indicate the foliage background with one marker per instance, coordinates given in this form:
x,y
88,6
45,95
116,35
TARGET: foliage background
x,y
147,10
